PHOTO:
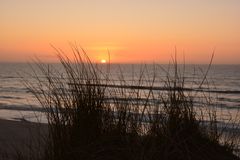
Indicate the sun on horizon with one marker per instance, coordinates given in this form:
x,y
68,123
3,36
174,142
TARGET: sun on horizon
x,y
103,61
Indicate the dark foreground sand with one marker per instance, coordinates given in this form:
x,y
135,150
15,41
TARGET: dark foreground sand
x,y
20,136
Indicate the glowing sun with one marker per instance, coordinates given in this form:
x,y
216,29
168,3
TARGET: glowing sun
x,y
103,61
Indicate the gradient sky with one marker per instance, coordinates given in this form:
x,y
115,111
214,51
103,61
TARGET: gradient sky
x,y
132,30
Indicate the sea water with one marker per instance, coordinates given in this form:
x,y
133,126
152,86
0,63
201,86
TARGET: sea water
x,y
222,82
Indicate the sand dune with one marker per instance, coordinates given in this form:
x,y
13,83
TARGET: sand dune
x,y
19,136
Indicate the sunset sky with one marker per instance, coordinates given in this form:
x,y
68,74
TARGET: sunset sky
x,y
132,30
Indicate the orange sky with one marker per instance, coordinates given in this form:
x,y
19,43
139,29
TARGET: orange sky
x,y
132,30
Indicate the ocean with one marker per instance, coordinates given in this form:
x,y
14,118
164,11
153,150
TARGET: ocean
x,y
17,103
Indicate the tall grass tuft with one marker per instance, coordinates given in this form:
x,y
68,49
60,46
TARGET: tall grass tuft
x,y
90,116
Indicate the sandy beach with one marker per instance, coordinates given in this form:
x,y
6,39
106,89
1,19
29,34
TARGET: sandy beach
x,y
19,136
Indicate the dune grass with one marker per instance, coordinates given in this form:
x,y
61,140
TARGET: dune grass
x,y
89,120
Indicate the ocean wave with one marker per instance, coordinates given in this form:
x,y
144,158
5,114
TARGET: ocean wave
x,y
10,97
21,107
223,91
225,99
14,89
10,77
161,88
